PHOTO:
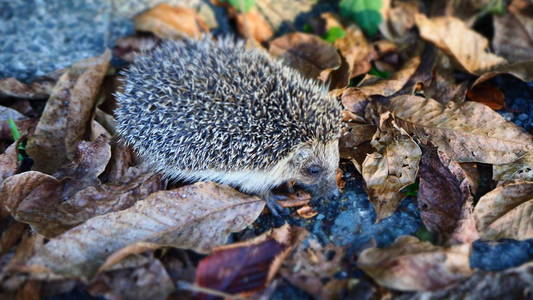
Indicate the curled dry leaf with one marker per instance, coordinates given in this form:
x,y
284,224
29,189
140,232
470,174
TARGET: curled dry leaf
x,y
392,167
52,205
445,197
352,97
67,114
522,70
464,45
306,212
248,267
467,132
412,265
489,95
312,267
521,169
307,53
198,217
506,212
171,22
12,88
513,32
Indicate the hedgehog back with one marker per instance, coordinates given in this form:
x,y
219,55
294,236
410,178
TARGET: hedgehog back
x,y
215,105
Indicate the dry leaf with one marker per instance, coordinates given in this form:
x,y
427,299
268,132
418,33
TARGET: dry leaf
x,y
312,267
521,169
147,281
197,217
12,231
514,283
465,46
52,205
391,168
399,21
12,88
127,48
506,212
356,50
489,95
252,25
171,22
412,265
67,114
306,53
445,196
7,113
248,266
306,212
521,70
467,132
388,87
8,162
513,32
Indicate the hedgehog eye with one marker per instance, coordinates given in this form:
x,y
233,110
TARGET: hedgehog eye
x,y
314,170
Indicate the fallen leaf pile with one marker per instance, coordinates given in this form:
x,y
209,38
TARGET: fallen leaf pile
x,y
79,211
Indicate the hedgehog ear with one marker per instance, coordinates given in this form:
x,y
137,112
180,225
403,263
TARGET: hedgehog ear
x,y
301,155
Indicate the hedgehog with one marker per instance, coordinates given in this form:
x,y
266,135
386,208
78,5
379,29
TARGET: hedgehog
x,y
215,110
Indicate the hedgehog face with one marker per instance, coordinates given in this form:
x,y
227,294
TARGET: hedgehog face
x,y
315,169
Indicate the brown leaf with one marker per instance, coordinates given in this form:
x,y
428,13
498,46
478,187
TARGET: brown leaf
x,y
467,132
513,283
506,212
356,50
127,48
306,53
67,115
52,205
8,162
465,46
147,281
171,22
399,21
312,267
489,95
388,87
11,232
252,25
197,217
392,167
248,266
444,196
412,265
513,32
306,212
522,70
521,169
12,88
444,87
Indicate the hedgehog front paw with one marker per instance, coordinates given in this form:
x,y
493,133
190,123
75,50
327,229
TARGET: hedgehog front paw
x,y
272,202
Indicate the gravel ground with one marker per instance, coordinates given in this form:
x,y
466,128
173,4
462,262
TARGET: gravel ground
x,y
518,101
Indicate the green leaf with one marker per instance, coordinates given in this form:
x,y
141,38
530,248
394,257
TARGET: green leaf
x,y
378,73
411,190
425,235
15,133
333,34
242,6
366,13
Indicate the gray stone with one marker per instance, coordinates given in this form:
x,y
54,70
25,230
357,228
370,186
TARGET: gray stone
x,y
38,37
